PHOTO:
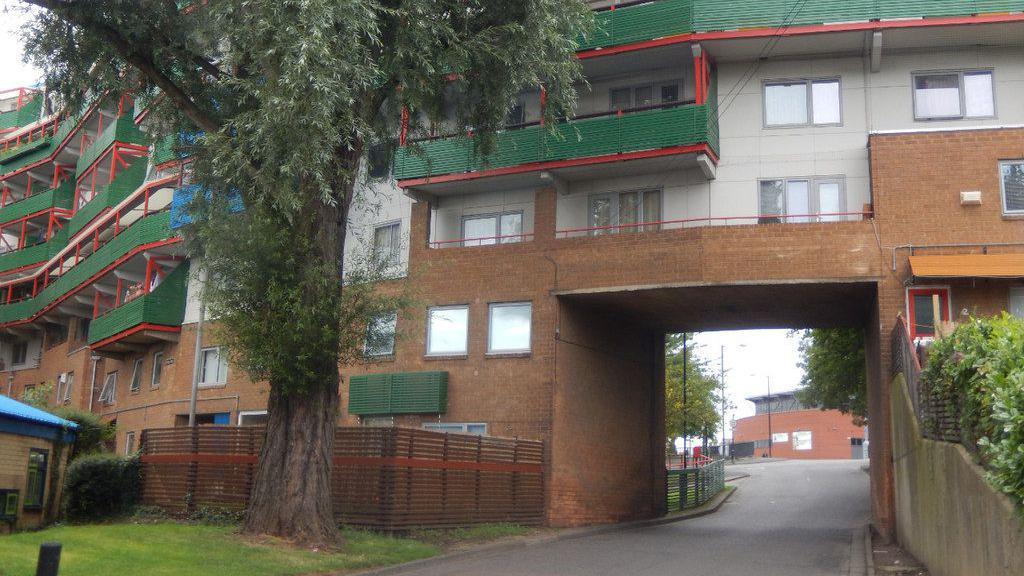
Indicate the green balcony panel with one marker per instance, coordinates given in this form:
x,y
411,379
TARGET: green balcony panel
x,y
121,130
399,393
164,306
27,114
59,197
126,182
12,154
150,229
21,258
638,24
635,132
721,15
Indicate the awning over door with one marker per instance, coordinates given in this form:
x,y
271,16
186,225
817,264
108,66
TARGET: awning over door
x,y
968,266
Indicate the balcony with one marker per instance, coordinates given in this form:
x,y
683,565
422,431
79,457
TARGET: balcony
x,y
606,137
59,197
26,106
638,22
33,254
152,316
122,130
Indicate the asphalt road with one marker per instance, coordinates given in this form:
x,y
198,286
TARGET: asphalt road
x,y
788,518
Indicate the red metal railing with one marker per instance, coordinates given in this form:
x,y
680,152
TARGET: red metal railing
x,y
482,241
714,220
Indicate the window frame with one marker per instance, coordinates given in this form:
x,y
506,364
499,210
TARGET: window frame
x,y
963,93
1002,189
243,413
618,227
465,351
129,441
64,387
394,337
912,291
1015,290
202,368
108,392
135,386
809,83
14,348
464,426
497,240
395,258
29,502
678,82
157,370
490,328
814,199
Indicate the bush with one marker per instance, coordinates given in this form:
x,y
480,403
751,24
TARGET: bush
x,y
980,368
93,433
100,486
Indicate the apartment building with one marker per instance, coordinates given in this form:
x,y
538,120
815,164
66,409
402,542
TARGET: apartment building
x,y
787,164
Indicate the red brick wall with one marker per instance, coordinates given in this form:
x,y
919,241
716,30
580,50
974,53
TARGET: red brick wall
x,y
831,431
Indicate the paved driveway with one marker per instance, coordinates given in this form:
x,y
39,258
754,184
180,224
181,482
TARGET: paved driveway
x,y
788,518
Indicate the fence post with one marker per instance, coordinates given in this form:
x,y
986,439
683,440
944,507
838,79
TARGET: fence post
x,y
49,559
193,472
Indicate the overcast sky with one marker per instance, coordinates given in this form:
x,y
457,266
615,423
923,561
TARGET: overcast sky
x,y
13,72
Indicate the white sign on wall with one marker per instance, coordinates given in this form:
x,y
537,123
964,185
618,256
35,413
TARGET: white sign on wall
x,y
780,437
802,440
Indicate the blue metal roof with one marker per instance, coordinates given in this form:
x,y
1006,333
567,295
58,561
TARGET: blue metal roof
x,y
12,409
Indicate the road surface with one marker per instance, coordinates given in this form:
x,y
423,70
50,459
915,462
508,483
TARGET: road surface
x,y
789,518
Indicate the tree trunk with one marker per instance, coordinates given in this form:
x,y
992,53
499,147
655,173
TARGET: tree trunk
x,y
291,495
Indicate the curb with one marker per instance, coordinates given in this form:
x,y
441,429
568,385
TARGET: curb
x,y
869,553
739,476
571,534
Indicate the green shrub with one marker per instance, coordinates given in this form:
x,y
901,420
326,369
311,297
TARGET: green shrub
x,y
980,368
93,433
99,486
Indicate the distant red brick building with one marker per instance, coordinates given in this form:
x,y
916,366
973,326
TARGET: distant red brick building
x,y
798,431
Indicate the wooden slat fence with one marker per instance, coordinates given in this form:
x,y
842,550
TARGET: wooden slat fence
x,y
384,478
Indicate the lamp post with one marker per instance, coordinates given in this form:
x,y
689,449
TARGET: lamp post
x,y
768,379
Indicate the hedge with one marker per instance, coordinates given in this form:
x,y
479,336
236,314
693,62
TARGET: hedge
x,y
100,486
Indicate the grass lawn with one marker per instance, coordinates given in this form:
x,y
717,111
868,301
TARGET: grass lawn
x,y
458,537
169,548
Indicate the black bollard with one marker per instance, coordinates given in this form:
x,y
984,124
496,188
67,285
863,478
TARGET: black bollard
x,y
49,559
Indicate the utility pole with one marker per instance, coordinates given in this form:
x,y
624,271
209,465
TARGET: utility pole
x,y
721,375
684,399
769,380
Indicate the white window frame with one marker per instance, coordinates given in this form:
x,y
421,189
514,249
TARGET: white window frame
x,y
616,227
395,256
156,374
655,95
963,93
1019,292
490,328
1002,189
202,368
243,413
465,348
813,200
809,83
108,393
394,336
129,440
69,381
136,382
463,427
496,216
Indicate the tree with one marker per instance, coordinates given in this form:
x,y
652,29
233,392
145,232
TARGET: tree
x,y
835,374
283,98
698,416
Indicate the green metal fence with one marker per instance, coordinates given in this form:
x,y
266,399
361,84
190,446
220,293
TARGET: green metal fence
x,y
692,487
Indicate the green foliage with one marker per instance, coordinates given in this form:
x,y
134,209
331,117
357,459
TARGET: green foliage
x,y
699,416
38,396
92,435
835,376
101,486
980,369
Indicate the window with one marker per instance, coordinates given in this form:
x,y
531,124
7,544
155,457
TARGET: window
x,y
158,368
19,353
509,327
1012,186
208,419
921,310
252,418
447,330
109,391
803,103
951,95
487,229
377,421
380,335
213,368
611,213
82,330
458,428
129,443
1017,302
378,160
56,334
821,199
387,240
65,383
802,440
516,114
136,376
35,484
645,95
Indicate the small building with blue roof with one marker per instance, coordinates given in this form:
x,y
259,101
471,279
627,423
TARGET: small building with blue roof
x,y
30,441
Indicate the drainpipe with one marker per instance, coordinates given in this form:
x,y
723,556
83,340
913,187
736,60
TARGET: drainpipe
x,y
92,383
196,362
